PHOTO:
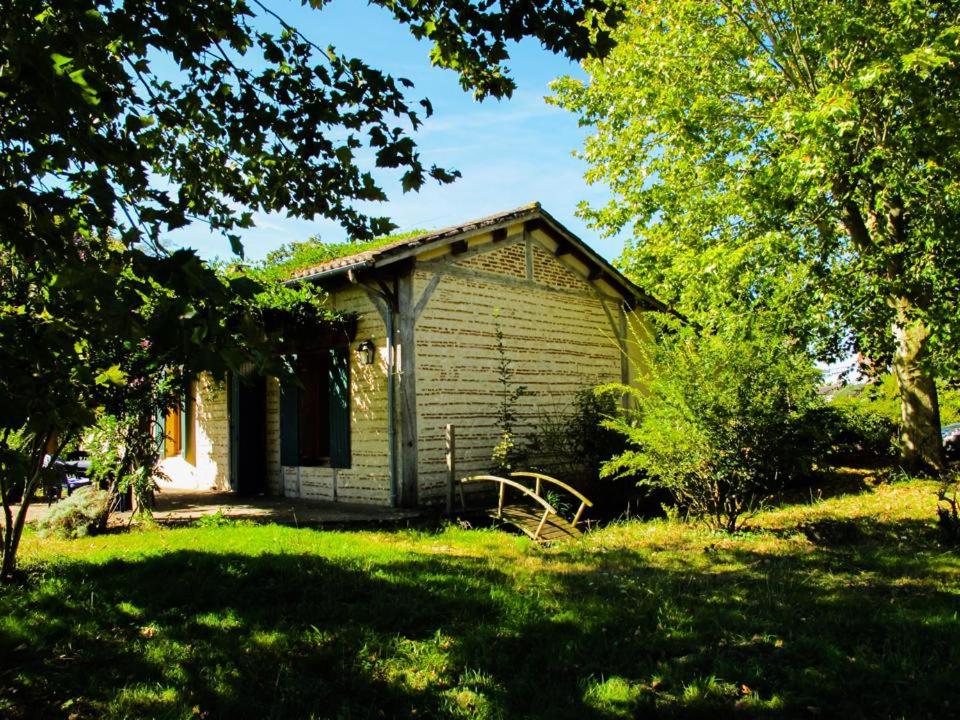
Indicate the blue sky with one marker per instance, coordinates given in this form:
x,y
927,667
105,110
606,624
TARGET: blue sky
x,y
510,152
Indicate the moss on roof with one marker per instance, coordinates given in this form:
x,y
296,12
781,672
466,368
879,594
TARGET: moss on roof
x,y
288,259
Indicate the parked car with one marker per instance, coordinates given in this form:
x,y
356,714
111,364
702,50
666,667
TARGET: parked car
x,y
951,440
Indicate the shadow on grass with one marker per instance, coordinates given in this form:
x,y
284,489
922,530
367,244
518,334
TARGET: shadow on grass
x,y
866,625
867,630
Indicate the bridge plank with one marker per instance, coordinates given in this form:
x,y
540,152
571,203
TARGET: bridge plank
x,y
527,519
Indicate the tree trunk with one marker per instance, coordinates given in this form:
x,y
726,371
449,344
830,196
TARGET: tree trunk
x,y
13,526
922,446
11,540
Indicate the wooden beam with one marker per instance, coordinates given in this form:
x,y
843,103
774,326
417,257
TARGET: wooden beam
x,y
407,390
562,249
499,234
458,247
595,273
451,442
389,293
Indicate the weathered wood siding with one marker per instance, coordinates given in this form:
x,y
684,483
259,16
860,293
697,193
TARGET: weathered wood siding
x,y
561,332
367,480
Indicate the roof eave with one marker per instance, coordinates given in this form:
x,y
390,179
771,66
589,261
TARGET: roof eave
x,y
403,252
631,292
329,272
630,288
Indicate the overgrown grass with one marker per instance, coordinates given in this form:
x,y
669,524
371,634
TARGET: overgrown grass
x,y
844,607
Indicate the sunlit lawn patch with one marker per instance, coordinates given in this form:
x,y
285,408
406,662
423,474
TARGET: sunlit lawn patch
x,y
796,618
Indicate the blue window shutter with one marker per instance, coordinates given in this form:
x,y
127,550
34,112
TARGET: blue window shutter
x,y
289,425
340,407
159,431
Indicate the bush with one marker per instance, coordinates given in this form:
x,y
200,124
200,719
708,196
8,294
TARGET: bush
x,y
723,422
855,432
125,452
948,510
881,397
573,445
576,443
81,514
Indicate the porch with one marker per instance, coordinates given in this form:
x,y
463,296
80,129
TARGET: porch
x,y
176,506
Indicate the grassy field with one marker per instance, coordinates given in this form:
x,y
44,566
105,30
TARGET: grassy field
x,y
844,607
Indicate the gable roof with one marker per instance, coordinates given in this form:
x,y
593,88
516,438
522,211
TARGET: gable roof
x,y
534,217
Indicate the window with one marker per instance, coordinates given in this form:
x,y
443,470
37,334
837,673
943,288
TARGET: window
x,y
189,438
315,416
172,437
178,426
314,408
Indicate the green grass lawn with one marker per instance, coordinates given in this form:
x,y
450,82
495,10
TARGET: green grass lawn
x,y
845,607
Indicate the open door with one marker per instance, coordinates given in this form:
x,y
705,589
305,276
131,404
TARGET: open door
x,y
248,434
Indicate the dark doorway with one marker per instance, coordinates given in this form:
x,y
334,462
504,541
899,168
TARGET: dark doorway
x,y
248,434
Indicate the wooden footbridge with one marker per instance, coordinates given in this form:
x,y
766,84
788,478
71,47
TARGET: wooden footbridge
x,y
529,511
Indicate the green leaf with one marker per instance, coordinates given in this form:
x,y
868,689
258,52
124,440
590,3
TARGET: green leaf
x,y
112,375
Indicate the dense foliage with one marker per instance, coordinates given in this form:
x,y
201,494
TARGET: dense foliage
x,y
881,396
801,157
722,422
857,434
572,444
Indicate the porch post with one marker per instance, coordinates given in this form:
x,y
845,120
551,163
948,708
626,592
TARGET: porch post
x,y
451,441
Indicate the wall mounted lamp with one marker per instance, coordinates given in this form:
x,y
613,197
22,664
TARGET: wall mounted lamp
x,y
366,352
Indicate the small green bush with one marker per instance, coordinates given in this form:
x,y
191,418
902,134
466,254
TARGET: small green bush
x,y
722,423
575,443
79,515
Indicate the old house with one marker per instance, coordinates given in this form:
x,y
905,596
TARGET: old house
x,y
367,424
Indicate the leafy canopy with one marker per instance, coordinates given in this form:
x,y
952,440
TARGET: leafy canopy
x,y
121,122
97,132
801,156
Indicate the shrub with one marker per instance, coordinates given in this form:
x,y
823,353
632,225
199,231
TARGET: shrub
x,y
575,443
124,452
81,514
881,397
948,510
723,421
853,431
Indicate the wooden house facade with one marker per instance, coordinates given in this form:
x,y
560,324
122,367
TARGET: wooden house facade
x,y
367,422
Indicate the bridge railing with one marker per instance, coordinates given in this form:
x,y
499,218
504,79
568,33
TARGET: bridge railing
x,y
540,478
548,509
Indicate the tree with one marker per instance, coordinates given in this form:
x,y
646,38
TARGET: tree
x,y
110,330
103,150
795,155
